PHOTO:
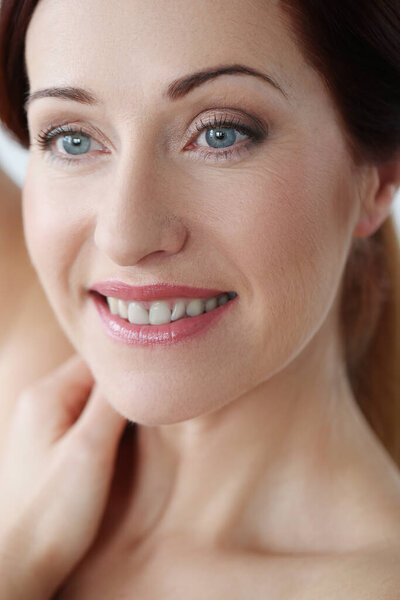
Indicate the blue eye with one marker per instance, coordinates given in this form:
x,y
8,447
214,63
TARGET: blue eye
x,y
68,142
220,134
77,143
222,137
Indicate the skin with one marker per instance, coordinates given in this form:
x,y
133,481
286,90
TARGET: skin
x,y
25,308
63,437
249,437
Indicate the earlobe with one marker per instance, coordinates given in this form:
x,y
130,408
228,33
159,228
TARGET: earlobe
x,y
378,198
375,212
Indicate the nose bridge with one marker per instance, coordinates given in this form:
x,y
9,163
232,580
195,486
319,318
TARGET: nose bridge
x,y
135,217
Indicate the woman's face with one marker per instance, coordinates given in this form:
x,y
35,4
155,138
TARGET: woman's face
x,y
267,211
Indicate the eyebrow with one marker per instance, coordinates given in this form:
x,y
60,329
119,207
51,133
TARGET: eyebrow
x,y
176,90
181,87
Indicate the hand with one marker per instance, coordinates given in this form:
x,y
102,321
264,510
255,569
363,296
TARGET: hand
x,y
55,475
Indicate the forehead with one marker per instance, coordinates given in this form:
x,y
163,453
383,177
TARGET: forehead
x,y
130,44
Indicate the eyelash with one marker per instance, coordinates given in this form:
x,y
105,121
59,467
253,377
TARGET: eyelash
x,y
47,136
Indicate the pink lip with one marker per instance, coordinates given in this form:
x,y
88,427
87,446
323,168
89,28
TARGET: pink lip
x,y
181,330
158,291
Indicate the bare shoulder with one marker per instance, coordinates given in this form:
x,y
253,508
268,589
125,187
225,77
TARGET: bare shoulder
x,y
366,575
171,566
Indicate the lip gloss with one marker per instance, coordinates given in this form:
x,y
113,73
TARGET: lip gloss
x,y
170,333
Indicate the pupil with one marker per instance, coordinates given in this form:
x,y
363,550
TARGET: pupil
x,y
76,144
221,137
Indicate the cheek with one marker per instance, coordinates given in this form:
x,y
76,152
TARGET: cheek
x,y
53,232
289,228
283,226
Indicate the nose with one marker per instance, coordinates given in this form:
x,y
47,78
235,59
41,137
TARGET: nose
x,y
135,216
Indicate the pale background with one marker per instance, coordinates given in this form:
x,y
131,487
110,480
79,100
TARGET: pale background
x,y
13,159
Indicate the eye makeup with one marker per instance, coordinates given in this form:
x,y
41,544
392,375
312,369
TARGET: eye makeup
x,y
216,125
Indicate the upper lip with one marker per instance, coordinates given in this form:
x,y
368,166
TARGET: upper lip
x,y
156,291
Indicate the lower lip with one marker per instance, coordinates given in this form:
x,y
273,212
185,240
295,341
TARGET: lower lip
x,y
170,333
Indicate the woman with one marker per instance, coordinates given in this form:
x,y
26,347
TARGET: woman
x,y
249,151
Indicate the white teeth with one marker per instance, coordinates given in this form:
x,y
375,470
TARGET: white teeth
x,y
138,314
113,304
160,313
123,309
211,303
164,311
195,307
179,310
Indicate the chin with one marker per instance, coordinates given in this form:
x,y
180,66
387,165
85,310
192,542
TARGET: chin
x,y
157,402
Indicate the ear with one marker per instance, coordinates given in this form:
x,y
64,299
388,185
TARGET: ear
x,y
378,194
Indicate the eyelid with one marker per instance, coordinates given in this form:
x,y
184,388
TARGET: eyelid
x,y
210,118
76,126
251,121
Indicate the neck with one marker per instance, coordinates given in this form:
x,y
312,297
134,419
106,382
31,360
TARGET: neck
x,y
282,468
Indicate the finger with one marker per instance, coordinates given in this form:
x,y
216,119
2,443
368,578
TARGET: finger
x,y
55,401
73,381
80,483
100,426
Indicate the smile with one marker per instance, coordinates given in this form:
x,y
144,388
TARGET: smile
x,y
163,322
160,312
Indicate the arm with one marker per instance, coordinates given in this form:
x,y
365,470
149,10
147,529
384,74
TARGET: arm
x,y
55,476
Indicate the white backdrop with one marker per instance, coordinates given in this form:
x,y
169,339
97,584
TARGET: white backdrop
x,y
13,159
